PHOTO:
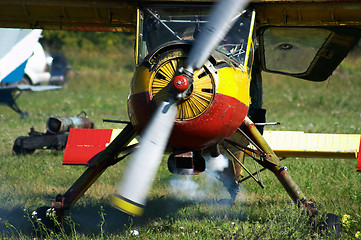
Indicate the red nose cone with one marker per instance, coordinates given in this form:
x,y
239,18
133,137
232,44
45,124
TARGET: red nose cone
x,y
180,83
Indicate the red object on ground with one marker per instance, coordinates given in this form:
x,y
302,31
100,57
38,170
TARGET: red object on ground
x,y
358,168
84,144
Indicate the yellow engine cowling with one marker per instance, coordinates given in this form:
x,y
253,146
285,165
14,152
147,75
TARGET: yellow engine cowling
x,y
216,107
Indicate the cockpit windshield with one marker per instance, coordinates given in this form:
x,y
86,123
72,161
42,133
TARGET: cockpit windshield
x,y
159,25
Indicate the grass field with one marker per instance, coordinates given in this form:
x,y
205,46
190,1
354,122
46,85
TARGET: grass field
x,y
98,84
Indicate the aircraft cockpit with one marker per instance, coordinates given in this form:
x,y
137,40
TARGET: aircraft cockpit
x,y
162,24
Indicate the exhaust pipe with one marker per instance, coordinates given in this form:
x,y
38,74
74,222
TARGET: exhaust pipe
x,y
60,125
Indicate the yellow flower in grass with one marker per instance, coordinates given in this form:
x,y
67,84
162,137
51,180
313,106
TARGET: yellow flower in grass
x,y
346,220
358,234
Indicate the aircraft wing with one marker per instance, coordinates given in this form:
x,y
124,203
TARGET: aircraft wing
x,y
23,88
315,145
35,88
277,22
121,15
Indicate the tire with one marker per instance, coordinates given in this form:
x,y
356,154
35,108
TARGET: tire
x,y
331,224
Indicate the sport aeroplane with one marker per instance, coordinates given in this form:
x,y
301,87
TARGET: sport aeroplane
x,y
16,47
197,89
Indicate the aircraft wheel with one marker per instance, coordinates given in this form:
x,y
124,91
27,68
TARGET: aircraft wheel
x,y
331,224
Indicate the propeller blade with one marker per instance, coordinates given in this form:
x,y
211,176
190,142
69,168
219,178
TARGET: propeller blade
x,y
220,21
132,194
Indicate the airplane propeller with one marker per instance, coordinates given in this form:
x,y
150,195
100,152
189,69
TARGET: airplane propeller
x,y
131,196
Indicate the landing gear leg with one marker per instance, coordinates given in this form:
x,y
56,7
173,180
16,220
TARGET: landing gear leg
x,y
270,161
105,159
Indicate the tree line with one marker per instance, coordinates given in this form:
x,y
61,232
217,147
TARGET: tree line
x,y
60,41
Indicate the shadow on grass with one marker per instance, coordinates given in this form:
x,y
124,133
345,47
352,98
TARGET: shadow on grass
x,y
88,218
13,221
165,214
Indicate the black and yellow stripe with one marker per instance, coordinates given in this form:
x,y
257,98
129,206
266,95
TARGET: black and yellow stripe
x,y
127,205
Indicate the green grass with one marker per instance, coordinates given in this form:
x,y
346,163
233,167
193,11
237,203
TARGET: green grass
x,y
98,84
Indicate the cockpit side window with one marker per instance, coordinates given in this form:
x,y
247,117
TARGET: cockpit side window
x,y
235,42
